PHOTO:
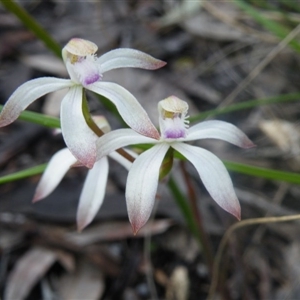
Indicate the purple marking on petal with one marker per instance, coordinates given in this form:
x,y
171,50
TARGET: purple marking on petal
x,y
174,134
91,79
87,71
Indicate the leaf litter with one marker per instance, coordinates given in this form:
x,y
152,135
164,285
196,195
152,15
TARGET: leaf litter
x,y
41,252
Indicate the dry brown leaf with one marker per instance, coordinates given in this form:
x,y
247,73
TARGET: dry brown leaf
x,y
29,269
86,283
204,25
179,13
115,230
284,134
45,63
9,239
66,260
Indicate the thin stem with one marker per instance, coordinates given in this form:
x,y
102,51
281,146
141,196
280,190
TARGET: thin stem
x,y
184,208
191,221
227,236
206,245
90,122
33,26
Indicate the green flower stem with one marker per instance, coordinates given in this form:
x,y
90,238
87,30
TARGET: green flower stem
x,y
23,174
88,118
33,26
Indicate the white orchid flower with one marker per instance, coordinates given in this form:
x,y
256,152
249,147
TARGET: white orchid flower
x,y
93,191
86,72
143,175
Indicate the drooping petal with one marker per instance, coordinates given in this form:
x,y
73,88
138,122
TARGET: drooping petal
x,y
120,138
92,194
122,160
142,184
56,169
214,176
27,93
129,108
219,130
128,58
79,138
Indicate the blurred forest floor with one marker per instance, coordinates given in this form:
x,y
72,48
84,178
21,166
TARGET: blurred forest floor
x,y
216,55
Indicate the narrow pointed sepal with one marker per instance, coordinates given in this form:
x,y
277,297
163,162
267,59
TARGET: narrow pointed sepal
x,y
27,93
219,130
142,185
79,138
128,58
92,194
214,176
120,138
56,169
129,108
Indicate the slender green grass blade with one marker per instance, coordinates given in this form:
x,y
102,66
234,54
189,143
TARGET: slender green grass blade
x,y
274,27
245,105
23,174
32,25
263,172
183,206
38,118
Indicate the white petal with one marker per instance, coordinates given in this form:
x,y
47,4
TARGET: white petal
x,y
129,108
27,93
56,169
72,73
79,138
92,194
128,58
142,184
122,160
219,130
214,176
120,138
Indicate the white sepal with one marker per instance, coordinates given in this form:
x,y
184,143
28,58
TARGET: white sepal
x,y
214,176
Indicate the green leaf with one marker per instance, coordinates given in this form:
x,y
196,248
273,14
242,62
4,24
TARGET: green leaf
x,y
263,172
183,205
23,174
245,105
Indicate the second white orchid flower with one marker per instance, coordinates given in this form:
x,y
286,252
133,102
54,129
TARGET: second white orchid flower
x,y
86,72
143,176
93,191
